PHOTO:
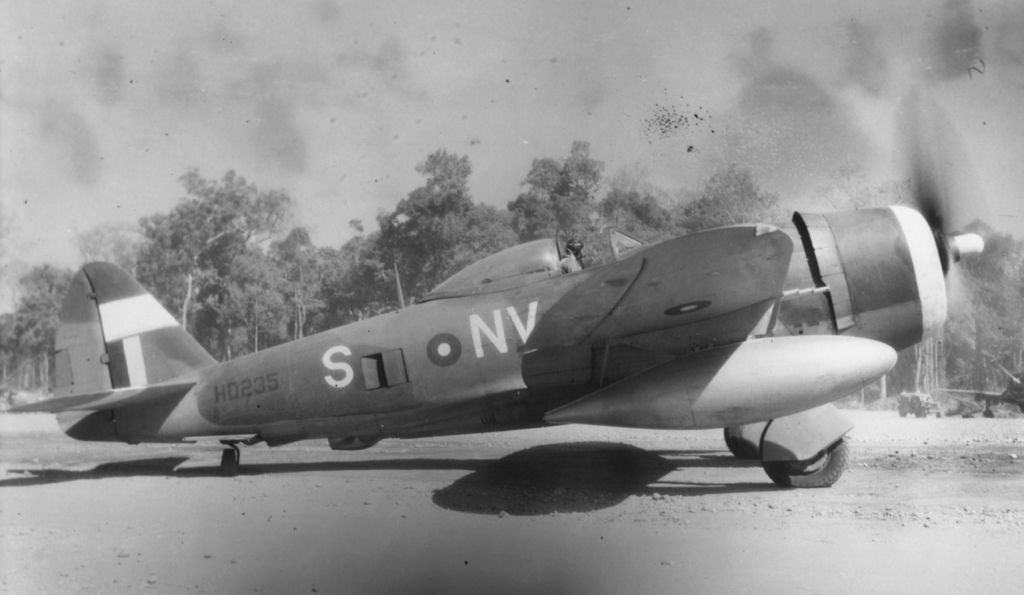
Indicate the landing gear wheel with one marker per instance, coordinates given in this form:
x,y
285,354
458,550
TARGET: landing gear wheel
x,y
229,461
740,447
819,472
989,413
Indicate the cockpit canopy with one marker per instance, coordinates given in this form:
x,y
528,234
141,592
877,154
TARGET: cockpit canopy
x,y
512,267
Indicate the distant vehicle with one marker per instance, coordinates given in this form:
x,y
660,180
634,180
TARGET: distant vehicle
x,y
918,404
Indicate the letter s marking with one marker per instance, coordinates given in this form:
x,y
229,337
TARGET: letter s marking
x,y
343,367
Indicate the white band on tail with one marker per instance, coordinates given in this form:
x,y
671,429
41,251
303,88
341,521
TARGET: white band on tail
x,y
133,316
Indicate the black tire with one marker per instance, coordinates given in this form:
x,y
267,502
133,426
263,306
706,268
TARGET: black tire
x,y
229,462
744,450
989,413
820,472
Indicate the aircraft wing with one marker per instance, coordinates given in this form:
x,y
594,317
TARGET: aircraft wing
x,y
109,399
979,395
681,281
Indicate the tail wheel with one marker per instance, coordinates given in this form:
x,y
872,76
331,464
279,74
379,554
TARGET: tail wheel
x,y
740,447
819,472
229,461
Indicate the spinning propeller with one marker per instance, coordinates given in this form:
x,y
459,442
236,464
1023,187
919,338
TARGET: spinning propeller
x,y
939,178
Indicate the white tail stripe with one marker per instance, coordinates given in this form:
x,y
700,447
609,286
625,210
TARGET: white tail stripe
x,y
134,362
133,316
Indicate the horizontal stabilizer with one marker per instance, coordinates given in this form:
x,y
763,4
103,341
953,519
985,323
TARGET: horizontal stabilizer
x,y
109,399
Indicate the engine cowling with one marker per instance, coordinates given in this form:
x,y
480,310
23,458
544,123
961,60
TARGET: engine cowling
x,y
873,273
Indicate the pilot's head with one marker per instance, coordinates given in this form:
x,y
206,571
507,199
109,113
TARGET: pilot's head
x,y
574,246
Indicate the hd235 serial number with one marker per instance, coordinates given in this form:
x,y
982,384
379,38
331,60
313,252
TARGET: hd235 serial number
x,y
248,387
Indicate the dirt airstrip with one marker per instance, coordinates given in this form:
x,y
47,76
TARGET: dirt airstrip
x,y
927,506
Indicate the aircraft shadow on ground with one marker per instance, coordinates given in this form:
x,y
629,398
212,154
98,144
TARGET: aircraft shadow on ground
x,y
569,477
132,468
167,466
582,477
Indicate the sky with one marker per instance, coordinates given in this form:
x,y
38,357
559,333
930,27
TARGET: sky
x,y
105,105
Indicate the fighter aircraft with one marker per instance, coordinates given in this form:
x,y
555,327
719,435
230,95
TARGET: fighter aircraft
x,y
1013,394
748,327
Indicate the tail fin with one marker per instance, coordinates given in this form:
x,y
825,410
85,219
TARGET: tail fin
x,y
113,334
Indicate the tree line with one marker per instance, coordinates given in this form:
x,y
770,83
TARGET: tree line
x,y
231,264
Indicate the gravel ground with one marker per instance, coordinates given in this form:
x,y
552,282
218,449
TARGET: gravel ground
x,y
928,505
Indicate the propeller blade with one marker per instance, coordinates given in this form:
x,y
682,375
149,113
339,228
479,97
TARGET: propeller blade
x,y
943,187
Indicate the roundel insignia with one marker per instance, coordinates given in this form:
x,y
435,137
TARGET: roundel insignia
x,y
444,349
687,308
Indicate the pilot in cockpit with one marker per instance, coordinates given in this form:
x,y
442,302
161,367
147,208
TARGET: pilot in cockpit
x,y
573,259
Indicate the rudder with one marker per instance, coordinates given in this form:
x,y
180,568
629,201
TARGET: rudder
x,y
114,334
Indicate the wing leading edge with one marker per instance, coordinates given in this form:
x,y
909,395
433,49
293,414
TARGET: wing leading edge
x,y
677,282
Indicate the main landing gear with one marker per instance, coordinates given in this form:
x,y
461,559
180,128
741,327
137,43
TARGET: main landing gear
x,y
803,450
742,445
819,472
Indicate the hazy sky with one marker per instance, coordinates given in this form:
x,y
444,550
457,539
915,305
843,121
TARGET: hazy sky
x,y
106,104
